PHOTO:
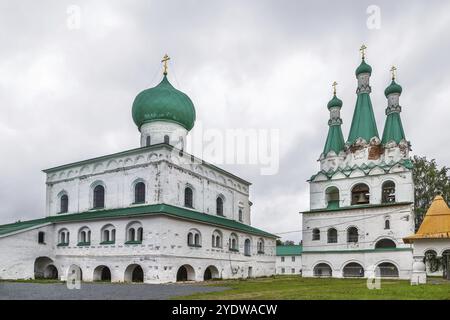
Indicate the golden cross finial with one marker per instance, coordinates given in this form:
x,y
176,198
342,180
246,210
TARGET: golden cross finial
x,y
393,70
164,61
363,51
334,87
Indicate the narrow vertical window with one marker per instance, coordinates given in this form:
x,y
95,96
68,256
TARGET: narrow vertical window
x,y
139,192
64,204
148,141
166,139
188,197
99,197
219,206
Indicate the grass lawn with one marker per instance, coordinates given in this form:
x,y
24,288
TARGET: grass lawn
x,y
295,287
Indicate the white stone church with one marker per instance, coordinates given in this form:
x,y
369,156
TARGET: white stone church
x,y
361,200
154,214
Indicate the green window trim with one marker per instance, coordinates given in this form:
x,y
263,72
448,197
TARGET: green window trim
x,y
233,250
195,245
62,244
133,242
83,244
107,242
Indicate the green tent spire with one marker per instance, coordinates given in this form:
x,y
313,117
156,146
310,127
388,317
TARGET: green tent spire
x,y
393,128
335,138
363,122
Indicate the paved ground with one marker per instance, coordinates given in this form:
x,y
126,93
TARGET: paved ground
x,y
98,291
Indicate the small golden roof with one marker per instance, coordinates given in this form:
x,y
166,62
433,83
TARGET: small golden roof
x,y
436,224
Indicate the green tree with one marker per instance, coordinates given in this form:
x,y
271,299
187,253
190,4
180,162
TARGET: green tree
x,y
429,181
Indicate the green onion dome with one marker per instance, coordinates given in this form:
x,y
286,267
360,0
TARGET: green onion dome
x,y
163,103
393,88
363,68
334,102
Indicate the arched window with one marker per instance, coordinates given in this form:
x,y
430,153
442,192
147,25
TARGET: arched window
x,y
64,204
332,197
316,234
261,245
386,270
233,244
139,192
63,237
166,139
41,237
108,234
134,233
247,247
99,197
360,194
148,141
219,206
352,234
322,270
216,239
385,244
332,235
188,197
353,270
432,264
84,236
194,238
388,192
241,218
387,224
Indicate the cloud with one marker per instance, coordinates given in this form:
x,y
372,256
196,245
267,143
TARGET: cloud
x,y
66,94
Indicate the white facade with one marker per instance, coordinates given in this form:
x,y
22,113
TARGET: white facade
x,y
289,265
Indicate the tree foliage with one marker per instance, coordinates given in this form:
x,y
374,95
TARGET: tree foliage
x,y
429,181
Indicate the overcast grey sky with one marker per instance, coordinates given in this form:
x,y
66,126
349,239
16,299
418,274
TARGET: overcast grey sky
x,y
66,94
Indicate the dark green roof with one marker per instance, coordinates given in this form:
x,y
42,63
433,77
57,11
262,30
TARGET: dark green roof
x,y
149,210
363,121
393,88
393,129
294,250
363,68
335,140
334,102
165,103
361,206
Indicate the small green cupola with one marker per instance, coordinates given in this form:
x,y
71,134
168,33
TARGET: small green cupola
x,y
363,68
335,138
394,87
163,103
393,128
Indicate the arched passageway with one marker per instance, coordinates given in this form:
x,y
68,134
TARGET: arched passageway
x,y
102,273
211,273
45,269
134,273
186,273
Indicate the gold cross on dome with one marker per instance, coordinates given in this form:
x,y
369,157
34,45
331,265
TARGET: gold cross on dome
x,y
363,50
334,87
393,70
165,59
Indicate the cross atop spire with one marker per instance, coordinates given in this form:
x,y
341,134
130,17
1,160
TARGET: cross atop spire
x,y
165,59
334,87
393,71
363,51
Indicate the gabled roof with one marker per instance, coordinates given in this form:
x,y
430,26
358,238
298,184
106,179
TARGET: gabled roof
x,y
294,250
436,224
148,210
